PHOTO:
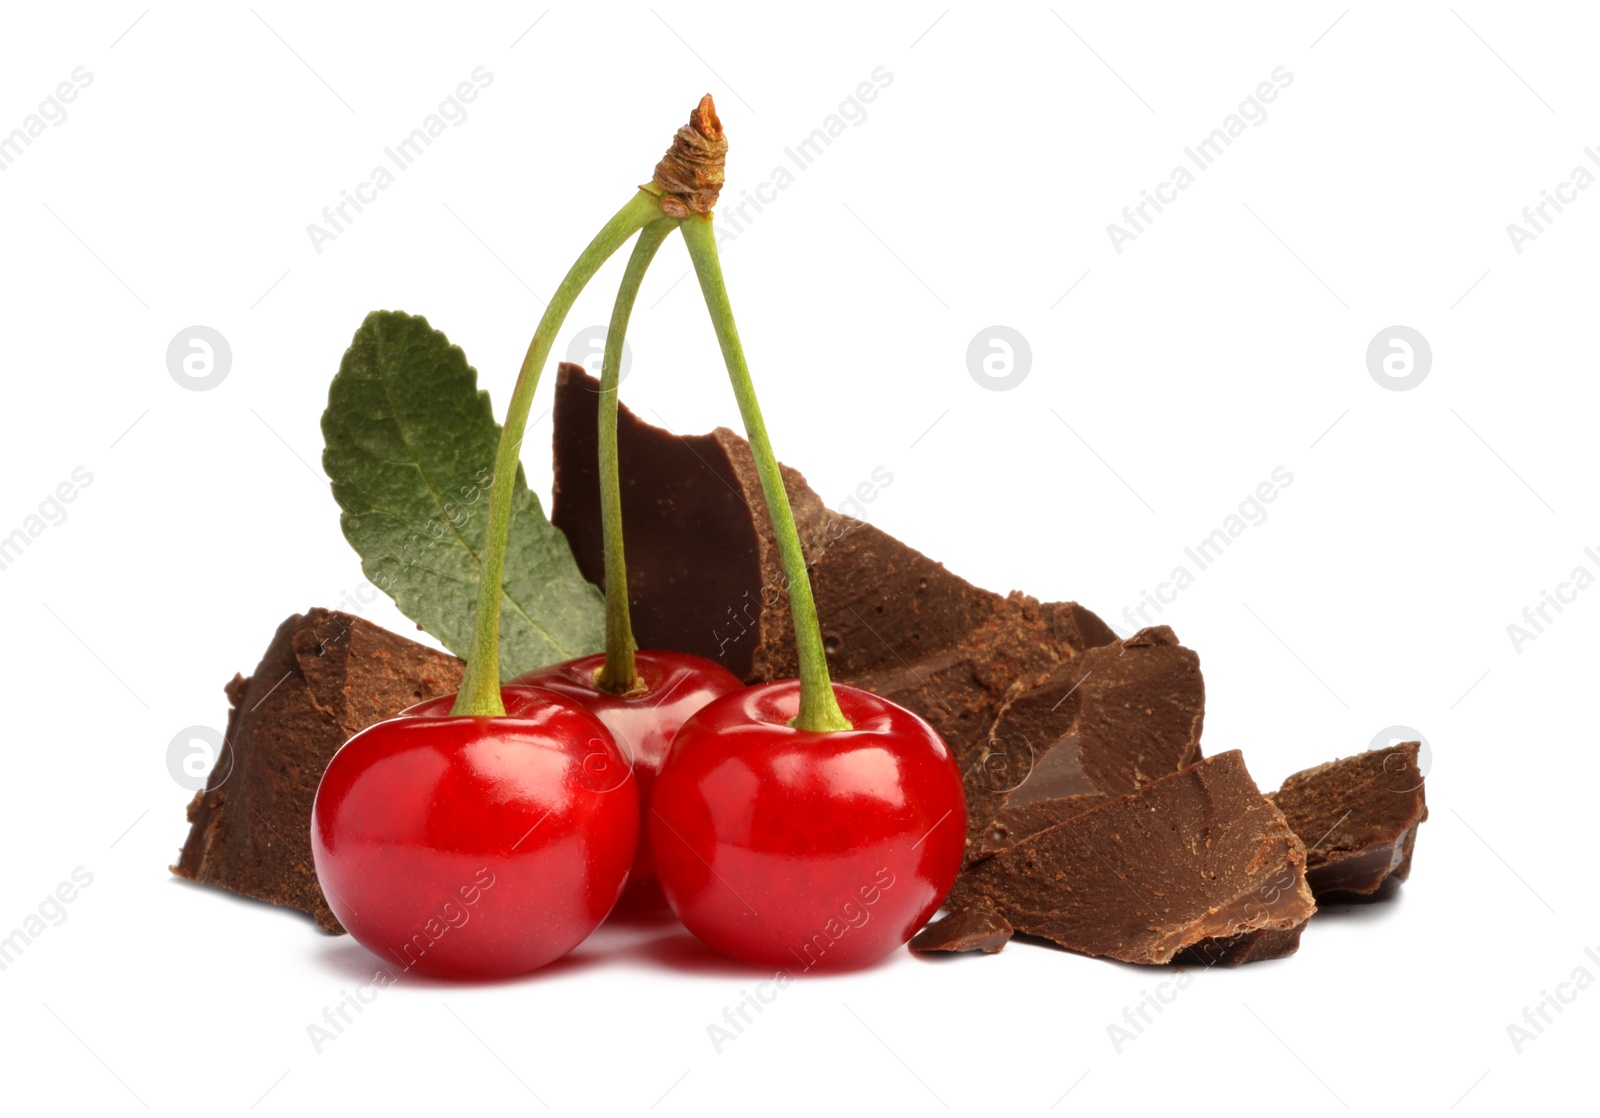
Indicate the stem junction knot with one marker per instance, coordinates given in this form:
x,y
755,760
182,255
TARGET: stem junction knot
x,y
691,171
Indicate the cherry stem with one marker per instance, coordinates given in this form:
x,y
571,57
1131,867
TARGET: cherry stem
x,y
819,707
480,685
620,673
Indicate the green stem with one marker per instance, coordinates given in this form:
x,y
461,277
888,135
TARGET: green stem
x,y
819,708
620,675
480,685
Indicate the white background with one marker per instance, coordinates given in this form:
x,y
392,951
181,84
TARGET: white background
x,y
1227,340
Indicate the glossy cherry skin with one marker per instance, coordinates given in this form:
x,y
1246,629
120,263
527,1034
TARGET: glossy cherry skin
x,y
465,847
678,685
801,850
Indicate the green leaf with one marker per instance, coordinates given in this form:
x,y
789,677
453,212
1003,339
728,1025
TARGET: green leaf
x,y
410,445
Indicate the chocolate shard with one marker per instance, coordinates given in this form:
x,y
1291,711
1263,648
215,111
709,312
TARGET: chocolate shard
x,y
325,676
1194,856
1099,726
973,928
1359,818
704,577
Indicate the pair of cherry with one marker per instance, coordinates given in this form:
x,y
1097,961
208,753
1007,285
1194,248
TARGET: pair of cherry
x,y
776,846
793,824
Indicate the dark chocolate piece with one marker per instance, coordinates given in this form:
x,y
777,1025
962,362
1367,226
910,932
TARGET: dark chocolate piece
x,y
1099,726
1251,947
1358,818
704,577
973,928
1194,856
703,571
325,676
960,689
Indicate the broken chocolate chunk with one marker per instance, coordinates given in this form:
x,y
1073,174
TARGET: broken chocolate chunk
x,y
325,676
704,577
1099,726
1358,818
1194,856
972,928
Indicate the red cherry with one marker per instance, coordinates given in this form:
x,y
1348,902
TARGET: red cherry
x,y
678,685
806,850
476,847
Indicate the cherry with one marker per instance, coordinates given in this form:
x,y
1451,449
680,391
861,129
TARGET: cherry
x,y
476,847
674,686
802,849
